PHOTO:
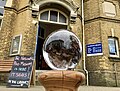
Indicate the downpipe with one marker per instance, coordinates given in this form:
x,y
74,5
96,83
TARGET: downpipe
x,y
83,37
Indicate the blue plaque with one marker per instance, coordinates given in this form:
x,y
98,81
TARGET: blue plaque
x,y
94,49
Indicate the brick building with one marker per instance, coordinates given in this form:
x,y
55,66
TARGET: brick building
x,y
25,24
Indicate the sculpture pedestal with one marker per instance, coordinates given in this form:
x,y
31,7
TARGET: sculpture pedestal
x,y
61,80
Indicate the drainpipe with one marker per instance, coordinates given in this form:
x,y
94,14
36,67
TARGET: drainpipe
x,y
83,31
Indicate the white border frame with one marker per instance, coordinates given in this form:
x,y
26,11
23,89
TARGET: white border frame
x,y
20,42
1,17
96,54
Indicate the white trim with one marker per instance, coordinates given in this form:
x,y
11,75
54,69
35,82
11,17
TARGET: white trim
x,y
2,7
96,54
53,22
1,17
40,3
40,71
48,16
117,56
20,42
58,19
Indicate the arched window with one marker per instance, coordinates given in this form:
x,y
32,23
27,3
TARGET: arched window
x,y
53,16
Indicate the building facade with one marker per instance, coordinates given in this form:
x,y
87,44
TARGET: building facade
x,y
25,24
102,25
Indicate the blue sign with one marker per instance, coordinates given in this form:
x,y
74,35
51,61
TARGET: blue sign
x,y
94,49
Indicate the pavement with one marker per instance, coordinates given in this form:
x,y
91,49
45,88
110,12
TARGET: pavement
x,y
81,88
35,88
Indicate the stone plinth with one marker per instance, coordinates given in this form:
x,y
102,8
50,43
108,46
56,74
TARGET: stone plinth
x,y
61,80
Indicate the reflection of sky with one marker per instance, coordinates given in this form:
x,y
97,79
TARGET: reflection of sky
x,y
2,4
60,35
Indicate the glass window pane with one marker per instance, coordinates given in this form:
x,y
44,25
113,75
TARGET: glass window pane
x,y
15,45
53,16
62,18
2,2
1,11
0,21
44,16
112,46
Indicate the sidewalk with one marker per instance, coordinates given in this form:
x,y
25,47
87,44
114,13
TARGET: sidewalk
x,y
81,88
36,88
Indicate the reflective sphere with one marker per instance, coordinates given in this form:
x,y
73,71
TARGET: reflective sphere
x,y
62,50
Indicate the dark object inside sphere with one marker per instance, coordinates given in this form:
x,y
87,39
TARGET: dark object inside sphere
x,y
62,50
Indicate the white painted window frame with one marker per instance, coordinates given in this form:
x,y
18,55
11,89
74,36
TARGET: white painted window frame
x,y
1,17
48,21
19,47
117,47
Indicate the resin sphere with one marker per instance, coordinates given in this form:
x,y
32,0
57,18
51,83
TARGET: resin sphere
x,y
62,50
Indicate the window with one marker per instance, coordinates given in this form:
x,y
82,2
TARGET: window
x,y
16,44
44,16
113,47
109,9
2,4
62,18
53,16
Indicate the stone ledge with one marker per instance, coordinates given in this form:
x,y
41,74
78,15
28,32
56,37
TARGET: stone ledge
x,y
115,59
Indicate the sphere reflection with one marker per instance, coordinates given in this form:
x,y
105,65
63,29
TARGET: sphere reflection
x,y
62,50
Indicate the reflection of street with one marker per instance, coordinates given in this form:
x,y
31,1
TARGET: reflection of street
x,y
57,62
55,53
61,55
75,49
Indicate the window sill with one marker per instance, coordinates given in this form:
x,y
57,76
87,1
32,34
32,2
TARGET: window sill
x,y
115,59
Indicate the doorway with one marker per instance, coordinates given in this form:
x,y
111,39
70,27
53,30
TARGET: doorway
x,y
44,29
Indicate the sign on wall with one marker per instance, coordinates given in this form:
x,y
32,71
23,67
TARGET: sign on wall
x,y
16,45
94,49
20,75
